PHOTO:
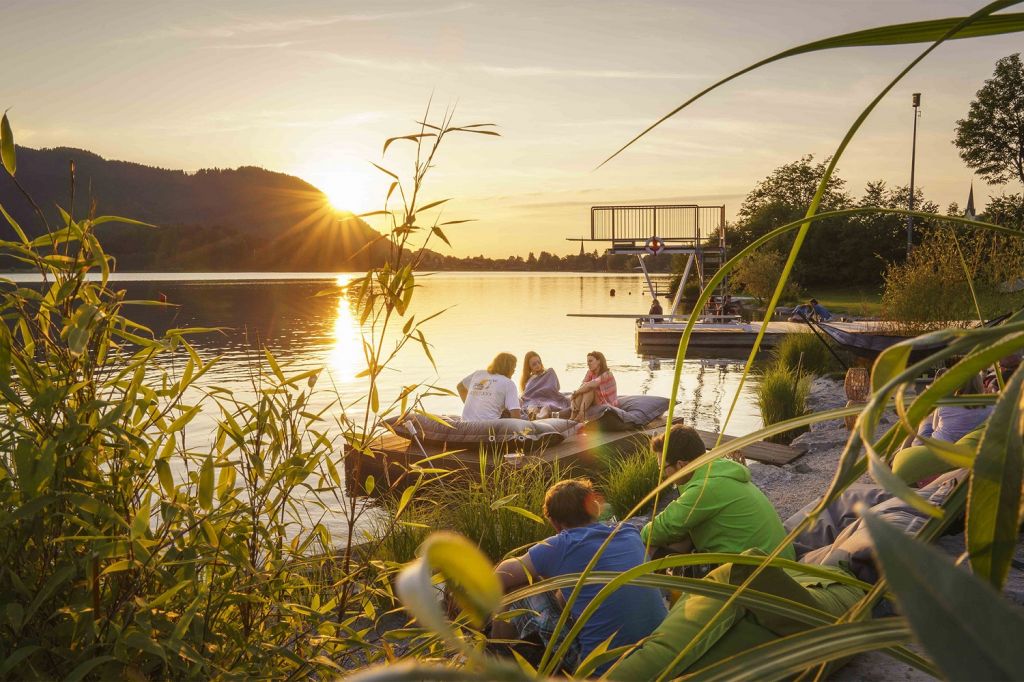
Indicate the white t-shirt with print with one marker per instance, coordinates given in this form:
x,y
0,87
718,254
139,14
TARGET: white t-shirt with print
x,y
488,396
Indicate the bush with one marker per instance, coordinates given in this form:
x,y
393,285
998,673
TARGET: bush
x,y
628,479
930,291
781,395
501,513
806,354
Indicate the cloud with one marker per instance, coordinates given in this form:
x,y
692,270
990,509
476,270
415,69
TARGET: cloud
x,y
243,26
382,64
252,46
553,72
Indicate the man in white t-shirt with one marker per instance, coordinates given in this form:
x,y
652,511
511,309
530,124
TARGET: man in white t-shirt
x,y
487,393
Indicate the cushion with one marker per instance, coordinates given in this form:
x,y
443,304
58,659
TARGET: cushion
x,y
524,434
634,412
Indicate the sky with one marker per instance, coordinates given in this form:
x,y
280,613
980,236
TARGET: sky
x,y
314,88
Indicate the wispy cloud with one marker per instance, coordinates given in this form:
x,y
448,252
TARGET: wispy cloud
x,y
383,64
241,26
253,46
554,72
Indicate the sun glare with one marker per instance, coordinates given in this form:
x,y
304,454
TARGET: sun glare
x,y
346,189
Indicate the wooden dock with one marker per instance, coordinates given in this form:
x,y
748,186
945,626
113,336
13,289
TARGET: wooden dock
x,y
394,464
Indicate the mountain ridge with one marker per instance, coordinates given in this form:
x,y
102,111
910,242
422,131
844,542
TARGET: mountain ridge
x,y
245,218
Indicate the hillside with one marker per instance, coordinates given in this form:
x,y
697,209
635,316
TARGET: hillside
x,y
215,219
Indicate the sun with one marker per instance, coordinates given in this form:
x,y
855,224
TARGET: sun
x,y
347,189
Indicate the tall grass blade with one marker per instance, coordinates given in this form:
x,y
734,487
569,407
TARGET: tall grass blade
x,y
7,145
787,656
964,625
895,34
993,508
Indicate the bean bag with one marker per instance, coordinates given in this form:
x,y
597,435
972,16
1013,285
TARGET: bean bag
x,y
523,434
634,412
919,462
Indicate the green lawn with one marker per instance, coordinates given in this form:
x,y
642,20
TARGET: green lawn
x,y
860,301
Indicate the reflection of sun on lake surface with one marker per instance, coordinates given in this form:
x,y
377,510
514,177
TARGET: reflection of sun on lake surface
x,y
346,358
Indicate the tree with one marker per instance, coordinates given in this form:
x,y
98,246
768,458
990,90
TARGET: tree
x,y
991,138
758,273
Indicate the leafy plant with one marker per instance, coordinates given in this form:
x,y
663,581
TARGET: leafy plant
x,y
805,354
950,280
628,479
782,395
758,274
126,553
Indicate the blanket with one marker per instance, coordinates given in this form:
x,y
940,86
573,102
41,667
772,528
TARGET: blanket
x,y
542,391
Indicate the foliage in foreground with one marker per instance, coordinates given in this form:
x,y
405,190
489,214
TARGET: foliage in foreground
x,y
805,354
127,553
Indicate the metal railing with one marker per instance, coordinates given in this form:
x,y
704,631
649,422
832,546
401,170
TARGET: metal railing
x,y
680,225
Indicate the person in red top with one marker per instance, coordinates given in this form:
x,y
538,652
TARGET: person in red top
x,y
598,387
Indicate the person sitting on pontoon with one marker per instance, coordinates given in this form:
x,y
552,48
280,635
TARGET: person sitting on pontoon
x,y
541,397
655,312
598,387
490,393
812,310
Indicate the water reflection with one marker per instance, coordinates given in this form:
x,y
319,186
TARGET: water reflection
x,y
346,358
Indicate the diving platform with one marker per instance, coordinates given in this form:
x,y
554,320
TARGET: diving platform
x,y
652,230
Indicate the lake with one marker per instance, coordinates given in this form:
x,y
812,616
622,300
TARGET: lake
x,y
308,321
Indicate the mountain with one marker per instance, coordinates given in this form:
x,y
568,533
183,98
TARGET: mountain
x,y
238,219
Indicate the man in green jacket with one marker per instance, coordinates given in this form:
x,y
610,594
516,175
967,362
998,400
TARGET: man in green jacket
x,y
719,509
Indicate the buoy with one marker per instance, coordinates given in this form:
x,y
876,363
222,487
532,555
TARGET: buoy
x,y
612,292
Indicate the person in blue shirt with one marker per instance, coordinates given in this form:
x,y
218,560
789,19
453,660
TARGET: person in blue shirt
x,y
812,310
629,614
821,313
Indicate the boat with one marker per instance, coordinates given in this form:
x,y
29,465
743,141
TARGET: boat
x,y
869,343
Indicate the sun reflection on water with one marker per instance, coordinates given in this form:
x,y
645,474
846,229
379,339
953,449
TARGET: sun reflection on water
x,y
346,358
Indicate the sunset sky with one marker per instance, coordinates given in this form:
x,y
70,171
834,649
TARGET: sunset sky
x,y
313,88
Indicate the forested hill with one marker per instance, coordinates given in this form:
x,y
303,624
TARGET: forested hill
x,y
217,219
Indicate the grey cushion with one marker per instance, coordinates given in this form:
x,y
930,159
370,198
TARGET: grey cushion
x,y
634,412
521,433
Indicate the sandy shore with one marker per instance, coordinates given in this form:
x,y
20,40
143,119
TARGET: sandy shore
x,y
792,486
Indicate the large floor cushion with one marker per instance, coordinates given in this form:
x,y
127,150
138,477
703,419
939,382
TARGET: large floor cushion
x,y
919,462
634,412
522,433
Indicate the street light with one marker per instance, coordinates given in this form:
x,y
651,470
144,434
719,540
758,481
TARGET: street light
x,y
913,157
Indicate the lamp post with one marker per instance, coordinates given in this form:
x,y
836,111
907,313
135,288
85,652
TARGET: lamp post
x,y
913,157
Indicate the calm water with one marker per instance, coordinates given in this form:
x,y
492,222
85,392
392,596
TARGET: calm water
x,y
308,321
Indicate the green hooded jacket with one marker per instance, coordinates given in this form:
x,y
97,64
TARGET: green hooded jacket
x,y
721,511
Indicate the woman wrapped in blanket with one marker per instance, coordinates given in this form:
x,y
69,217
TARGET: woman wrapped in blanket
x,y
598,387
541,397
